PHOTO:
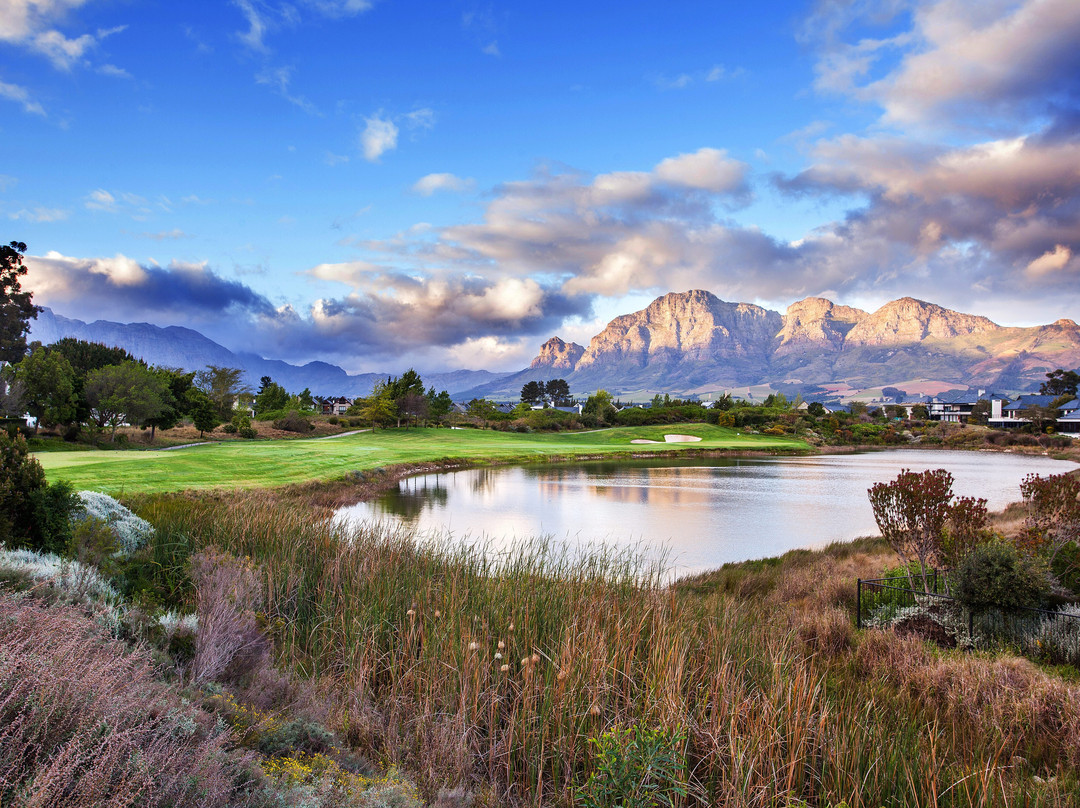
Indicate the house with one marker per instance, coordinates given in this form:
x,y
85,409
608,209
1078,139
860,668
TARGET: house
x,y
1010,415
957,407
334,406
1068,422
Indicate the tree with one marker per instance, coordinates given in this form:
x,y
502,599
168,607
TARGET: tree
x,y
414,406
532,392
920,413
378,408
894,393
203,411
49,386
271,397
16,308
439,404
1060,383
482,408
305,400
1053,513
911,512
401,388
558,392
125,393
816,409
600,406
177,383
222,385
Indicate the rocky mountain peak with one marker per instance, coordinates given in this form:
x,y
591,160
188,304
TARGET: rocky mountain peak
x,y
816,321
908,320
558,355
685,326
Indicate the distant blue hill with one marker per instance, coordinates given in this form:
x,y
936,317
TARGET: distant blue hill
x,y
178,347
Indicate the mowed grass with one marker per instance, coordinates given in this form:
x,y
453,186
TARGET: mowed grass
x,y
265,464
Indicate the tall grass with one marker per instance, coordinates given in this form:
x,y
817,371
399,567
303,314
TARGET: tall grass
x,y
495,671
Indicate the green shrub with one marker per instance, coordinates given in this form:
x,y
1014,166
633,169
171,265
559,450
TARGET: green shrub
x,y
333,419
997,575
229,429
293,422
33,514
247,432
636,768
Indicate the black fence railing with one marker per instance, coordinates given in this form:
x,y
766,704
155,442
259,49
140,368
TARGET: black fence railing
x,y
1052,635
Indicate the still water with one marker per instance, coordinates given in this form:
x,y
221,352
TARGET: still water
x,y
698,513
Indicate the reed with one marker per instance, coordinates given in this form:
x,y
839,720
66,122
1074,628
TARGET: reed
x,y
494,671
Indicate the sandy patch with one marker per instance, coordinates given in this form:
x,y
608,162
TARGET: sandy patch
x,y
670,439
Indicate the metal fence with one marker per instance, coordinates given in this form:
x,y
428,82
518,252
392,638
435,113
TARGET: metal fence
x,y
1045,634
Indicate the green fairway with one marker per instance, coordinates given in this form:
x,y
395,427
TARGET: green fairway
x,y
262,464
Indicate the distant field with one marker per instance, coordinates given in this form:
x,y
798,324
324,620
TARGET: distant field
x,y
264,464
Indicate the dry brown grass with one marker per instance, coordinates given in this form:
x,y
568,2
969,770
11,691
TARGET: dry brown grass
x,y
83,722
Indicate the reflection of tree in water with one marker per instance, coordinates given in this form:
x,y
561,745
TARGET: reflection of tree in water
x,y
413,496
481,480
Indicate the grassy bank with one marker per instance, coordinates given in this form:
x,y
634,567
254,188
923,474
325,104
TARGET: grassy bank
x,y
496,674
265,464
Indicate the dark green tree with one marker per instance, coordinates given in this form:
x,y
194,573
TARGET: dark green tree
x,y
203,411
33,514
402,388
439,404
177,383
1060,383
16,308
532,392
600,405
49,386
271,397
126,393
558,392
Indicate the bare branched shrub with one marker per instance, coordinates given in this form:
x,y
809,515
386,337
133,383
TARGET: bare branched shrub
x,y
228,592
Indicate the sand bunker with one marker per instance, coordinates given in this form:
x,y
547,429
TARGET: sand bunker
x,y
670,439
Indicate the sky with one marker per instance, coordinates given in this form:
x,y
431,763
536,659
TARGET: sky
x,y
391,183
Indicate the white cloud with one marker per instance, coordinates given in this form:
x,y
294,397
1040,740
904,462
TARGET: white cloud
x,y
423,118
379,136
101,200
257,26
40,215
279,78
980,64
491,49
431,183
20,95
1053,261
21,19
64,53
351,273
706,169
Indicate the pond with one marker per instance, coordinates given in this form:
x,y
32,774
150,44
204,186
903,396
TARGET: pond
x,y
698,513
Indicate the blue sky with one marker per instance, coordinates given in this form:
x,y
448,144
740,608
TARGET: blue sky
x,y
391,183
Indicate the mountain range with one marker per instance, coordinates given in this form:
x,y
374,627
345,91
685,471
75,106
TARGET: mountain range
x,y
688,343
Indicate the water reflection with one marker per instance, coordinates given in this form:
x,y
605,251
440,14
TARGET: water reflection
x,y
705,512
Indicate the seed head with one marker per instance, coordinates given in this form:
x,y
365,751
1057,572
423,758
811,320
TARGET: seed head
x,y
502,645
594,710
562,675
498,655
535,658
504,668
411,613
473,646
510,627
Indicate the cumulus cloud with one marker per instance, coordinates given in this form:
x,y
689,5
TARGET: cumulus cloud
x,y
431,183
975,63
379,136
116,287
